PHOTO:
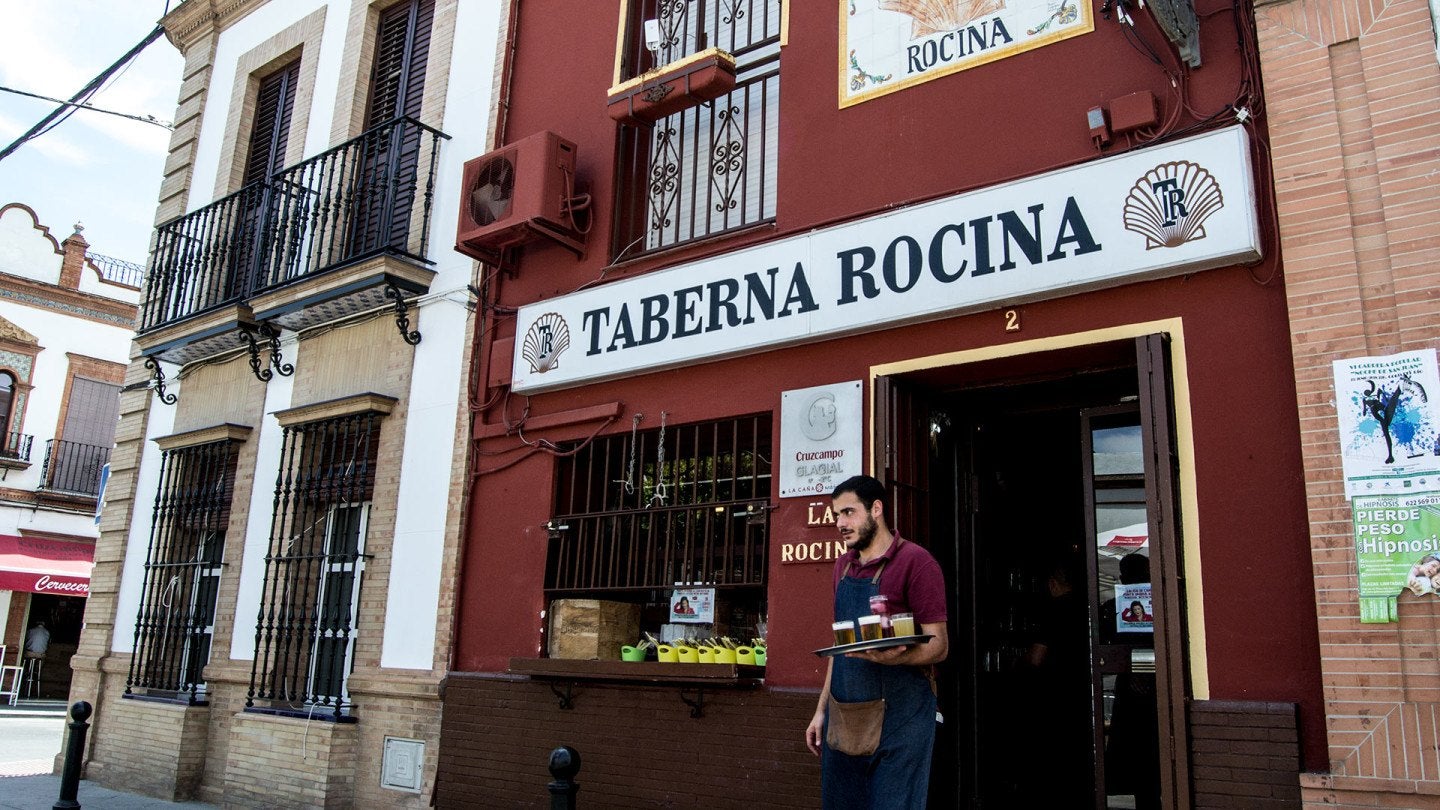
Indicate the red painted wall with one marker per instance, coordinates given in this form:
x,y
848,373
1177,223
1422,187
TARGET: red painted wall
x,y
988,125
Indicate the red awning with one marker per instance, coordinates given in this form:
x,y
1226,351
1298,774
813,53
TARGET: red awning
x,y
39,565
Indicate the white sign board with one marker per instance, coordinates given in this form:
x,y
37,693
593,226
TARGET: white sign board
x,y
1177,208
1389,423
820,438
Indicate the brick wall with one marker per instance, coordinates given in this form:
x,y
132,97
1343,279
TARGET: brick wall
x,y
1353,93
639,746
149,747
1245,755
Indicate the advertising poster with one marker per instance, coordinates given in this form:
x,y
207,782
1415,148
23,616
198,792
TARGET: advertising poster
x,y
692,606
1134,612
1389,423
888,45
1397,545
820,438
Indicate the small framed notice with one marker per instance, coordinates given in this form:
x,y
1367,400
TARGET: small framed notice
x,y
692,606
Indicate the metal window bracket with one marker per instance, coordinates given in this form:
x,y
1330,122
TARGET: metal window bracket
x,y
270,336
402,317
697,706
158,381
567,698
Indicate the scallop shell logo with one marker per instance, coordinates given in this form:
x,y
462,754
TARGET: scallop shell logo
x,y
545,341
1169,205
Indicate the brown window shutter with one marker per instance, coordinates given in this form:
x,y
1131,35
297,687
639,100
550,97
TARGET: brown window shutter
x,y
270,131
402,46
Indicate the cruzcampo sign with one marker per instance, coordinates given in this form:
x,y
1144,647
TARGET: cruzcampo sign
x,y
1178,208
1397,547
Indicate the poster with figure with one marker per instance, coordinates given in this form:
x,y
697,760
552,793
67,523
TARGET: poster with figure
x,y
1389,423
692,606
889,45
820,438
1397,548
1133,609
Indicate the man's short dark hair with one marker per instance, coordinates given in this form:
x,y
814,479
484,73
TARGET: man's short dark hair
x,y
867,489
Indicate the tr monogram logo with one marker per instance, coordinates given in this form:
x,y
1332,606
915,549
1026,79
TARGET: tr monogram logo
x,y
1169,205
545,341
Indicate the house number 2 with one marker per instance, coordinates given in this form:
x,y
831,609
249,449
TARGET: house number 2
x,y
1012,320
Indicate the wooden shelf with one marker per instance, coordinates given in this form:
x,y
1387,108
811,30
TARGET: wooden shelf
x,y
651,672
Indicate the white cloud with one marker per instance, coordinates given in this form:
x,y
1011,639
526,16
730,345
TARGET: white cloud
x,y
52,145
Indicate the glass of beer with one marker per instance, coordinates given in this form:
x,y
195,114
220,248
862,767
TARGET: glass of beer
x,y
903,624
844,632
871,628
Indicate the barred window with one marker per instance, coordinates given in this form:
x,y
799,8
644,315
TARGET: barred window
x,y
305,633
640,513
176,619
711,168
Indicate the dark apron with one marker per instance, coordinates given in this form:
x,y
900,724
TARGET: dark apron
x,y
897,775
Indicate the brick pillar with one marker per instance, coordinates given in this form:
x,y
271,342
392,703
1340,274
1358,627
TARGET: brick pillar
x,y
73,265
1353,96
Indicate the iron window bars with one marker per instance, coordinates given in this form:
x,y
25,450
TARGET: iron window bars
x,y
712,168
683,505
305,632
175,623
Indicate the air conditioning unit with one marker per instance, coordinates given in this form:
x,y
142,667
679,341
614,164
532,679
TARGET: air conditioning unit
x,y
520,193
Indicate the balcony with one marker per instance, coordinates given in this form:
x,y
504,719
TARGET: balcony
x,y
332,236
14,452
72,469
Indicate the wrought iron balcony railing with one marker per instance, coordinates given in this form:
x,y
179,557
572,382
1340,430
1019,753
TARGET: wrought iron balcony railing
x,y
117,270
73,468
15,446
371,195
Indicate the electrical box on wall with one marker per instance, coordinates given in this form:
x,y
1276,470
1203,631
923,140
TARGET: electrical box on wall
x,y
517,194
403,764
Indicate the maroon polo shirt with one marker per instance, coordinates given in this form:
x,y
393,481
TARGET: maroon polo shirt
x,y
912,581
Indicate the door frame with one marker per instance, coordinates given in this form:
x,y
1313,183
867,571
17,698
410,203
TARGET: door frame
x,y
1170,486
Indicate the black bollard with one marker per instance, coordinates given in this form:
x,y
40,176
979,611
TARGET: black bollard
x,y
74,752
564,764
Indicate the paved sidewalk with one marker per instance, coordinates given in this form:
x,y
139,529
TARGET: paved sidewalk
x,y
40,793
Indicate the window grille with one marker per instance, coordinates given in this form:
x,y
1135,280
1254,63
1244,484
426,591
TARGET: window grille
x,y
711,168
176,619
680,506
305,633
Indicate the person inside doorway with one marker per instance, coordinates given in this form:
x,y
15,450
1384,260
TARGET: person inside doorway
x,y
1132,746
1058,664
874,725
37,641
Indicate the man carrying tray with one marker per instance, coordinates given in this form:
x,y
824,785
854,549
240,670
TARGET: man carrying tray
x,y
874,726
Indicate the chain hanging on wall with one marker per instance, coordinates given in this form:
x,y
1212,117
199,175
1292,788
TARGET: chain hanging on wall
x,y
657,498
159,381
628,482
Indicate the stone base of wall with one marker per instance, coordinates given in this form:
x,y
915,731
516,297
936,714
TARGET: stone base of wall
x,y
151,747
289,762
1245,754
638,744
1326,791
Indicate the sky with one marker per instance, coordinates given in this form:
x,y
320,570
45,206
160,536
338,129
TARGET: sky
x,y
95,169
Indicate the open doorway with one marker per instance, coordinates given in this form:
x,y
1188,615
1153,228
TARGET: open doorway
x,y
1035,484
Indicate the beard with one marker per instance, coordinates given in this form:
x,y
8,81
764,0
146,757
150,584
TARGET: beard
x,y
864,535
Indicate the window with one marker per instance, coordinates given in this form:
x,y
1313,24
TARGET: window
x,y
389,165
305,634
711,168
640,513
73,461
176,619
10,439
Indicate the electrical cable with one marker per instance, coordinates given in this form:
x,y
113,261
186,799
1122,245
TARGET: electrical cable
x,y
144,119
63,112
